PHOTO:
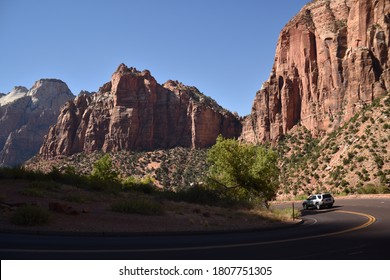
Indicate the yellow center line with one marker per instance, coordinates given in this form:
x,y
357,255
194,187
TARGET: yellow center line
x,y
370,221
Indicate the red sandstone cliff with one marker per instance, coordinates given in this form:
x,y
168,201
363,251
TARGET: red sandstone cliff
x,y
134,112
331,59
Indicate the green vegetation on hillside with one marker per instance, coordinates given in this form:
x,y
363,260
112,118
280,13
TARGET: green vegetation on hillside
x,y
351,159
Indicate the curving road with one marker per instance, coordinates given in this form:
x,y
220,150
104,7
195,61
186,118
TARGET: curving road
x,y
353,229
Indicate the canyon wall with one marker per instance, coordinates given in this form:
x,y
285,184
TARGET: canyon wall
x,y
134,112
331,60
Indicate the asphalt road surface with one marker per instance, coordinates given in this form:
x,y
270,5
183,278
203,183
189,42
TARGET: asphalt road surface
x,y
352,229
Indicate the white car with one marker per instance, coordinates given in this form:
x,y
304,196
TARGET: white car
x,y
318,201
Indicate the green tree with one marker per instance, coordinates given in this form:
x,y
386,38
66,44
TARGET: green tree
x,y
103,169
248,167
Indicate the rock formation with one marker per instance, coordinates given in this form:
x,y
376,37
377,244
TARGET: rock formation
x,y
25,117
134,112
331,59
15,94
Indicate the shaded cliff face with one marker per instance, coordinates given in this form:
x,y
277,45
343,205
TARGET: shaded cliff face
x,y
25,117
134,112
331,60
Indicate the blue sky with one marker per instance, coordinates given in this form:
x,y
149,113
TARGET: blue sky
x,y
223,47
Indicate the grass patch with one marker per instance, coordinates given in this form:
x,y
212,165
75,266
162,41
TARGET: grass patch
x,y
40,188
285,214
139,206
30,215
301,197
33,192
278,214
45,185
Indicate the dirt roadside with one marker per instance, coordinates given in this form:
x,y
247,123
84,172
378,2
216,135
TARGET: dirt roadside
x,y
74,210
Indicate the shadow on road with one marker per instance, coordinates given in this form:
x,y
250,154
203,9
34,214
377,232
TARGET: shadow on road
x,y
317,212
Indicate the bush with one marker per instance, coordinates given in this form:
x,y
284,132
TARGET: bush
x,y
20,173
373,189
214,196
144,185
250,168
97,184
139,206
196,194
103,169
30,215
45,185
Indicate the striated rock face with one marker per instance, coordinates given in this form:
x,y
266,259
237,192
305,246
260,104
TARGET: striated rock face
x,y
25,117
134,112
331,59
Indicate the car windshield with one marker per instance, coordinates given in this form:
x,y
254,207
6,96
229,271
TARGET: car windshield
x,y
327,195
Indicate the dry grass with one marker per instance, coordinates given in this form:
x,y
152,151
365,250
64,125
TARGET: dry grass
x,y
81,210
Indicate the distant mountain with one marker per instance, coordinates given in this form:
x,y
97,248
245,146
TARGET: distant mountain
x,y
25,117
15,94
134,112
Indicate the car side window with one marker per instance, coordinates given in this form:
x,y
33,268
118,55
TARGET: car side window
x,y
318,196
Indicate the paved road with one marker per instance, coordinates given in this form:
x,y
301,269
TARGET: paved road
x,y
353,229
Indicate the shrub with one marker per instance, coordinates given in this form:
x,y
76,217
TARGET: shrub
x,y
196,194
144,185
373,189
30,215
139,206
103,169
379,161
251,168
34,192
214,196
20,173
45,185
344,183
97,184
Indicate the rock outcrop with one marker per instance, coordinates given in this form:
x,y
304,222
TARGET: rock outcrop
x,y
15,94
25,117
134,112
331,60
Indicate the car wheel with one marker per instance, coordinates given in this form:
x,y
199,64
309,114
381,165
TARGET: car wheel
x,y
318,206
